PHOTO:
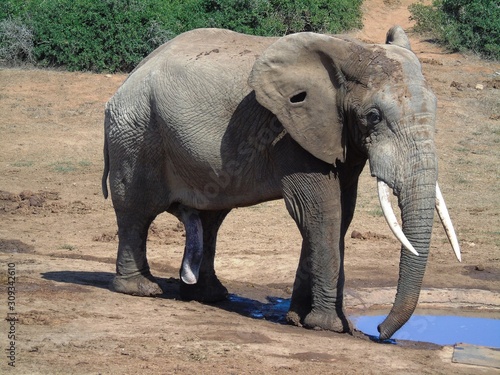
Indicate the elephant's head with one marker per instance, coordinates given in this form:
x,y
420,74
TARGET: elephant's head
x,y
338,98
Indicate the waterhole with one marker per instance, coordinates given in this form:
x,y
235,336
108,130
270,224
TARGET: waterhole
x,y
438,329
424,326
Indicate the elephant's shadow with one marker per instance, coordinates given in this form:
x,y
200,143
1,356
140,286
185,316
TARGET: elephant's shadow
x,y
274,309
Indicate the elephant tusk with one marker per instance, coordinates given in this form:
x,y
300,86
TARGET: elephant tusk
x,y
390,217
446,221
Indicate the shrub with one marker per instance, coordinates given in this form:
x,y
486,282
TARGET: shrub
x,y
461,25
13,8
94,35
280,17
16,42
114,35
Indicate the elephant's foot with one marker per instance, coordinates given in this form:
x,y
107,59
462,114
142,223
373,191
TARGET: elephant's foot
x,y
331,321
138,285
208,289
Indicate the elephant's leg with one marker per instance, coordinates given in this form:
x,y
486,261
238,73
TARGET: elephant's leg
x,y
208,288
132,269
301,302
314,201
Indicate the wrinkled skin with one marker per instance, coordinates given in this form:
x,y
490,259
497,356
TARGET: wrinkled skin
x,y
214,120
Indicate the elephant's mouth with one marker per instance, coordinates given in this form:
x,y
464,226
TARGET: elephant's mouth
x,y
384,193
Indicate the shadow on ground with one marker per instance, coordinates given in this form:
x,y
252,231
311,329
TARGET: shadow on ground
x,y
273,310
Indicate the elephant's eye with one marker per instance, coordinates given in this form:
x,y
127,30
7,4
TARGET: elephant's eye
x,y
298,98
373,117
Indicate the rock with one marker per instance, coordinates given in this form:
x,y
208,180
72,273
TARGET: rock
x,y
36,200
457,85
26,194
494,83
357,235
479,87
479,267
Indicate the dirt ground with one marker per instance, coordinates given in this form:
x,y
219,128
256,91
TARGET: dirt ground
x,y
60,233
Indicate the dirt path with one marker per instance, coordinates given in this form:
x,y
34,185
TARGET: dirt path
x,y
60,234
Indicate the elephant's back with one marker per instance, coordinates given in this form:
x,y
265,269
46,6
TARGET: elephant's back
x,y
196,64
214,46
199,65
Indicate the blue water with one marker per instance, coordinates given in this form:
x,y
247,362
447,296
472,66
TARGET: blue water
x,y
437,329
441,330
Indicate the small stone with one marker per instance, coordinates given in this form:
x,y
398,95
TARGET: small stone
x,y
36,200
457,85
26,194
479,87
357,235
479,267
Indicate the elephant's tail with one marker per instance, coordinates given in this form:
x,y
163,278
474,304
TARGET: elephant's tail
x,y
106,168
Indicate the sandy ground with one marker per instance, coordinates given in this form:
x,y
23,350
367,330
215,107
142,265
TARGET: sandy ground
x,y
60,235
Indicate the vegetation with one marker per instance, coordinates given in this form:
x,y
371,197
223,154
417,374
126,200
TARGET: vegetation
x,y
461,25
16,41
114,35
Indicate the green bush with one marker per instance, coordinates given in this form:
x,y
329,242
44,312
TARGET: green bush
x,y
94,35
280,17
114,35
461,25
13,8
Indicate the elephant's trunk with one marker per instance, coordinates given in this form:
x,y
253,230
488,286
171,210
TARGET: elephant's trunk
x,y
417,199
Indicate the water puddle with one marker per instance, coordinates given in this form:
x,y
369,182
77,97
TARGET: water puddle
x,y
274,310
437,329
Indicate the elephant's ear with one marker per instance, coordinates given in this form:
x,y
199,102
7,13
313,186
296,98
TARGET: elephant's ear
x,y
397,36
298,79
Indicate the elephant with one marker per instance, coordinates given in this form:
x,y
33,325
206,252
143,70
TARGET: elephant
x,y
213,120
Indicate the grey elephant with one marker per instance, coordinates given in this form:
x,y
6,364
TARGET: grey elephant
x,y
214,120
